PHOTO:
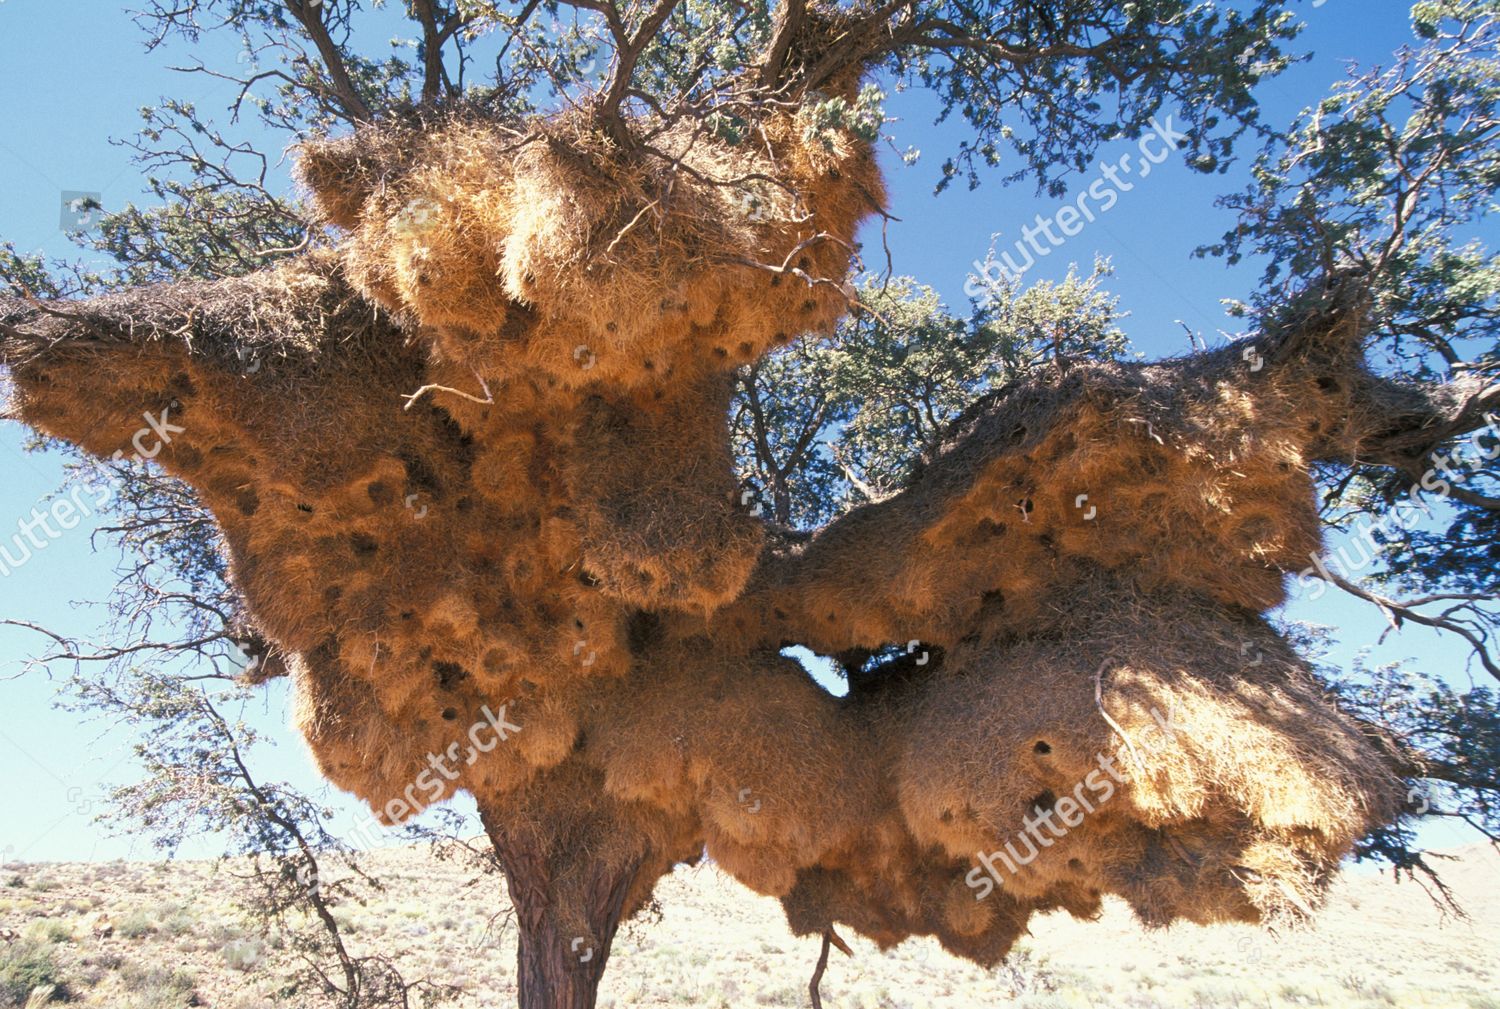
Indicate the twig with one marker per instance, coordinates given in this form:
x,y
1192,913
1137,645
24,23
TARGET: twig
x,y
786,269
830,938
488,396
626,230
1099,702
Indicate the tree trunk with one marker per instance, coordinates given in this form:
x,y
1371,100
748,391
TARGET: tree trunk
x,y
558,970
559,967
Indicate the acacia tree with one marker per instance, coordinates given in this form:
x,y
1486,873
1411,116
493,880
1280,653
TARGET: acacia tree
x,y
199,780
464,421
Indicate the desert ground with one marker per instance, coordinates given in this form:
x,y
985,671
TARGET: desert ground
x,y
169,934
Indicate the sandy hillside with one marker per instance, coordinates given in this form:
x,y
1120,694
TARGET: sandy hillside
x,y
158,935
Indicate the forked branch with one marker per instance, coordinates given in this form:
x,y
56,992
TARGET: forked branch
x,y
310,15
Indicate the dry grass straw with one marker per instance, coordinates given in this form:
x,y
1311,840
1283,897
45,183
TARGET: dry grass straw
x,y
547,254
570,546
1189,474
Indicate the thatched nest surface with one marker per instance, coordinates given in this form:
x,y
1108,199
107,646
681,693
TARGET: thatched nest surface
x,y
1087,555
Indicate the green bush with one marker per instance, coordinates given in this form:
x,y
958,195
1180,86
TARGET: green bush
x,y
176,920
49,931
134,925
24,966
156,987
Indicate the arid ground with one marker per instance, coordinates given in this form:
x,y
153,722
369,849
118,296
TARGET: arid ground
x,y
157,935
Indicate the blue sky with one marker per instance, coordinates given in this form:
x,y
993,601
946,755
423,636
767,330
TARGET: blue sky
x,y
77,73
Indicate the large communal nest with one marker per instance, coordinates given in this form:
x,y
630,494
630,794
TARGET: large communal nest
x,y
473,465
548,253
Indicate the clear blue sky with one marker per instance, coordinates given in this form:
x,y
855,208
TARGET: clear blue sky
x,y
75,74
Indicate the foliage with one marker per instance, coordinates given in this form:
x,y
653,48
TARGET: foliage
x,y
26,965
1386,178
1386,181
1454,738
825,424
1115,68
198,780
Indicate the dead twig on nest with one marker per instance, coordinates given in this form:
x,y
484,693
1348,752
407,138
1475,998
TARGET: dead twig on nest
x,y
830,938
489,397
1099,702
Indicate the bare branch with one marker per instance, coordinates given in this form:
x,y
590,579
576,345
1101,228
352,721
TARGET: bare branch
x,y
1471,628
310,15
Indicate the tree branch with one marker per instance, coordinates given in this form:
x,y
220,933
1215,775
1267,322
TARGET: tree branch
x,y
793,16
627,53
1398,612
310,15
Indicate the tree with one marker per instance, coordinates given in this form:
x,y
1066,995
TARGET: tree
x,y
1385,179
463,422
199,779
827,424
